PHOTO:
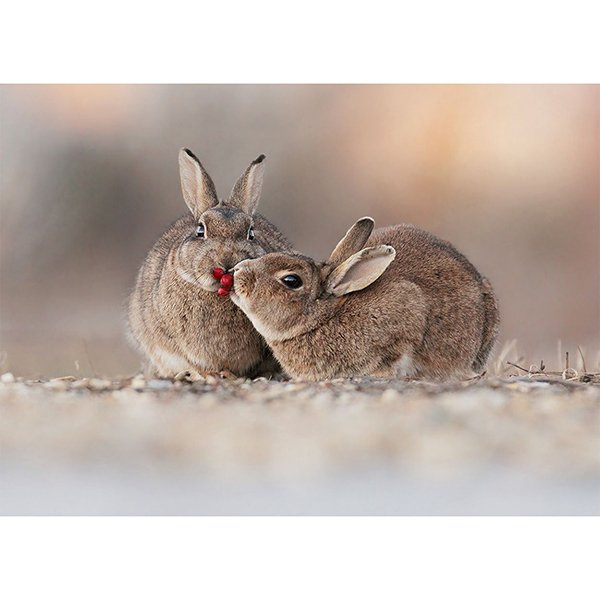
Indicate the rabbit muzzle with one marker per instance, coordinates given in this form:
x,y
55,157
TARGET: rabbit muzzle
x,y
244,279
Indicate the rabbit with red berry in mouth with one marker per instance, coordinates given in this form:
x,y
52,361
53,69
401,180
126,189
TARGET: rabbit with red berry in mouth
x,y
396,301
179,313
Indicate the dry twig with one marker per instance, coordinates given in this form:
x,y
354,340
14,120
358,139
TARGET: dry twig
x,y
582,359
518,367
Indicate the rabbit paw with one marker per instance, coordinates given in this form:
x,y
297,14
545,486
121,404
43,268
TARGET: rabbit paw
x,y
191,375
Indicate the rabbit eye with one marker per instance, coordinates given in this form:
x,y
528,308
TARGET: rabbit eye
x,y
200,232
251,233
292,281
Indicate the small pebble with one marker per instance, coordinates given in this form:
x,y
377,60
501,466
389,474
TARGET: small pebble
x,y
99,384
80,383
7,378
137,383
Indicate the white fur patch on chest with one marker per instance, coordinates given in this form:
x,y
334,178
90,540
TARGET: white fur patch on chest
x,y
169,361
405,366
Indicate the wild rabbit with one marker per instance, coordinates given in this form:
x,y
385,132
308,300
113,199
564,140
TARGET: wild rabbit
x,y
408,304
177,316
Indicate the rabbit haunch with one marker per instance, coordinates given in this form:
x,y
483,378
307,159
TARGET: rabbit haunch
x,y
176,317
396,301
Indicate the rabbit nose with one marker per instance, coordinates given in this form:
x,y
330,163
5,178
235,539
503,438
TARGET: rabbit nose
x,y
227,265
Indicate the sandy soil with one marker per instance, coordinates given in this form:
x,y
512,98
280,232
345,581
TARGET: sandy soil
x,y
519,445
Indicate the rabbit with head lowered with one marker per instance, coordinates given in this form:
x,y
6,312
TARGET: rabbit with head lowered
x,y
396,301
176,317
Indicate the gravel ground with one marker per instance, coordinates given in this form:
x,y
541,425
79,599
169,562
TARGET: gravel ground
x,y
518,445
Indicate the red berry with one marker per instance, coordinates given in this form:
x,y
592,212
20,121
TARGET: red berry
x,y
227,281
218,273
223,292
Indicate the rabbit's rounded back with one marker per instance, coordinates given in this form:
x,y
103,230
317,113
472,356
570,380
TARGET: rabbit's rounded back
x,y
462,314
176,317
408,303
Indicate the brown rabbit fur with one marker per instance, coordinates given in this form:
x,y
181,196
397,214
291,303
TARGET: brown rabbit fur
x,y
409,304
176,317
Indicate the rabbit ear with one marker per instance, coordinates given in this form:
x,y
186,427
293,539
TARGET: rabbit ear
x,y
355,239
246,192
197,186
360,270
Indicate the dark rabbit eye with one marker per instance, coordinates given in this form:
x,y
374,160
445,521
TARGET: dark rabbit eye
x,y
200,230
292,281
251,233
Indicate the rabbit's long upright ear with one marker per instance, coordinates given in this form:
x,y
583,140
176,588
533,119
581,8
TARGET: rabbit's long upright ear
x,y
246,192
355,240
360,270
198,188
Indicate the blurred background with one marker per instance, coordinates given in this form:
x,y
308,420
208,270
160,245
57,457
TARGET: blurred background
x,y
89,180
